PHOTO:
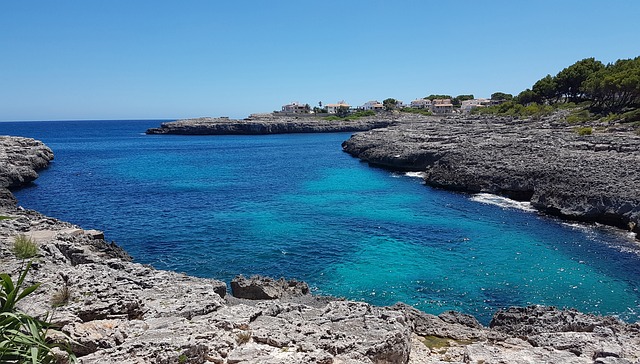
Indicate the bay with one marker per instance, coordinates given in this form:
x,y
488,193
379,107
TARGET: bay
x,y
297,206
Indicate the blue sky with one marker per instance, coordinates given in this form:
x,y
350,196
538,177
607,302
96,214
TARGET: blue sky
x,y
129,59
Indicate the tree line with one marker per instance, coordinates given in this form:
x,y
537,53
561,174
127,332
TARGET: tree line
x,y
610,88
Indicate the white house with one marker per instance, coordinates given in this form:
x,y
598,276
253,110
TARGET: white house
x,y
441,106
295,108
468,105
333,108
373,105
421,104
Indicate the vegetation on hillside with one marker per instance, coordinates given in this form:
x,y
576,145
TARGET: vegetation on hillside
x,y
594,90
411,110
390,104
351,116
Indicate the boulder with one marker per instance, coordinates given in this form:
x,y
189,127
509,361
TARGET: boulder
x,y
265,288
532,320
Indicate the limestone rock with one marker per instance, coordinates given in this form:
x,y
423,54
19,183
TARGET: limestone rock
x,y
20,158
587,178
531,320
269,124
264,288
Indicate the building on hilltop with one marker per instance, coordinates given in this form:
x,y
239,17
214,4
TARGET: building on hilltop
x,y
373,105
333,108
468,105
421,104
296,108
441,106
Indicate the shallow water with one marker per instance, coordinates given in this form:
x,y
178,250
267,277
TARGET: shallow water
x,y
297,206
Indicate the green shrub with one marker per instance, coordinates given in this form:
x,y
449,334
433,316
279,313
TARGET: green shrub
x,y
5,217
631,116
411,110
352,116
579,116
612,117
24,247
587,130
514,109
363,113
536,110
23,339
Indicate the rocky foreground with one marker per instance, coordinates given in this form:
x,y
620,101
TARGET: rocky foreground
x,y
593,178
118,311
259,124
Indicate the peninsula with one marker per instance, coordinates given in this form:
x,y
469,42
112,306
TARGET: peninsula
x,y
259,124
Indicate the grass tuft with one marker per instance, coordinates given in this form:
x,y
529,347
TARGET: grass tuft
x,y
587,130
243,337
61,297
24,247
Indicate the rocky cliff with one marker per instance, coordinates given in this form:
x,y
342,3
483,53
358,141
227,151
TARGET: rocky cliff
x,y
269,124
118,311
592,178
20,158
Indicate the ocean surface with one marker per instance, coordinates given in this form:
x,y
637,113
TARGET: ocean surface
x,y
297,206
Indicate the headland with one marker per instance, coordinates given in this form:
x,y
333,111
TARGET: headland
x,y
259,124
589,178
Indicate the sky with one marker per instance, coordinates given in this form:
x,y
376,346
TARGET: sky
x,y
158,59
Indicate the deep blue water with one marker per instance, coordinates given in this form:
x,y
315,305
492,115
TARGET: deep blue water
x,y
297,206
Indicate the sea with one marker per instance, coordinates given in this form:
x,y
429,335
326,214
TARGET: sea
x,y
297,206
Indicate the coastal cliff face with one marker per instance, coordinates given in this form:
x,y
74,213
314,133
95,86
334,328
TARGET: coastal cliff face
x,y
268,124
591,178
118,311
20,158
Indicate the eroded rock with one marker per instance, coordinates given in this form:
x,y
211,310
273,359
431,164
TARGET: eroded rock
x,y
265,288
587,178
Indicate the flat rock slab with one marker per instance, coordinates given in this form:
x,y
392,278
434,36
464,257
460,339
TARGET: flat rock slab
x,y
271,124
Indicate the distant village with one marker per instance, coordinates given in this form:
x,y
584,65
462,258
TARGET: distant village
x,y
437,106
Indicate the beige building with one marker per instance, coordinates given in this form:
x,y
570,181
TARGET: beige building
x,y
441,106
373,105
421,104
468,105
295,108
333,108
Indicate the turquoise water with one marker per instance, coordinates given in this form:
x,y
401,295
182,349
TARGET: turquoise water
x,y
297,206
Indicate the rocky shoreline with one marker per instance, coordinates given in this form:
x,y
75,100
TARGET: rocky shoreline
x,y
260,124
118,311
589,178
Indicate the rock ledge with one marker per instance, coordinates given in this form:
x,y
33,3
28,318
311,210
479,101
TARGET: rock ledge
x,y
591,178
